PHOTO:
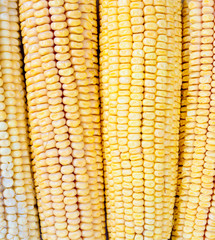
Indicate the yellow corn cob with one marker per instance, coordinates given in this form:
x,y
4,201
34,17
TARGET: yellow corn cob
x,y
140,74
18,214
60,46
195,215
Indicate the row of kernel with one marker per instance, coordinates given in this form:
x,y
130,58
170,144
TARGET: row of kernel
x,y
28,32
123,99
209,159
3,160
153,151
71,108
88,22
65,70
148,121
113,60
26,157
33,77
64,82
167,71
206,97
135,116
165,95
86,152
174,61
195,8
92,74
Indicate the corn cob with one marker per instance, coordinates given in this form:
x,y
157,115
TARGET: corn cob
x,y
194,215
60,46
140,74
18,214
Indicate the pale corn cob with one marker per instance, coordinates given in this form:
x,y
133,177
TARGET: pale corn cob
x,y
194,217
18,213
